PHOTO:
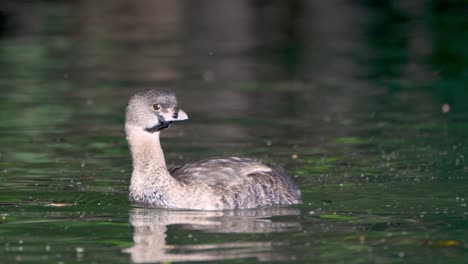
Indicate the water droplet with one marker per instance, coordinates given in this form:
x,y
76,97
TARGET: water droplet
x,y
79,250
445,108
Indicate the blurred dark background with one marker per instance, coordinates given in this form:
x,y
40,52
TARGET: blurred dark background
x,y
314,61
231,41
73,64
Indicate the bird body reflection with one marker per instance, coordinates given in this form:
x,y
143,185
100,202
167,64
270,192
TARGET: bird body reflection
x,y
151,226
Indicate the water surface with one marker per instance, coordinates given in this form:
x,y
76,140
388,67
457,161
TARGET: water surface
x,y
367,112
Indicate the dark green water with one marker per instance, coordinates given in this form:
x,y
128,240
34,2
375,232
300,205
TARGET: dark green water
x,y
368,111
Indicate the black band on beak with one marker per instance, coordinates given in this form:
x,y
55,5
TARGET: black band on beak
x,y
176,112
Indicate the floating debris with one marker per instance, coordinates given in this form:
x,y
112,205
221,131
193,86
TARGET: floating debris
x,y
58,204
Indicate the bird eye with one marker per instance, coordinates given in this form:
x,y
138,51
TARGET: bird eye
x,y
157,107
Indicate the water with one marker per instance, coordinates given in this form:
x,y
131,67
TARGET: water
x,y
367,111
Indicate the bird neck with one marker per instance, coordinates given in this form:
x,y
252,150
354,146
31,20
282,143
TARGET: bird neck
x,y
151,182
146,149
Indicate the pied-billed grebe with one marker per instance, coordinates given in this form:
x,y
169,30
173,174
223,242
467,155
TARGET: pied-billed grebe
x,y
210,184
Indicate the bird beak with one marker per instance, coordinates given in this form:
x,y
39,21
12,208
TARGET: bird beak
x,y
181,116
166,119
176,115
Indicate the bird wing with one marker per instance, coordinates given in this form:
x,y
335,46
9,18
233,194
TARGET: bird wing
x,y
218,171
